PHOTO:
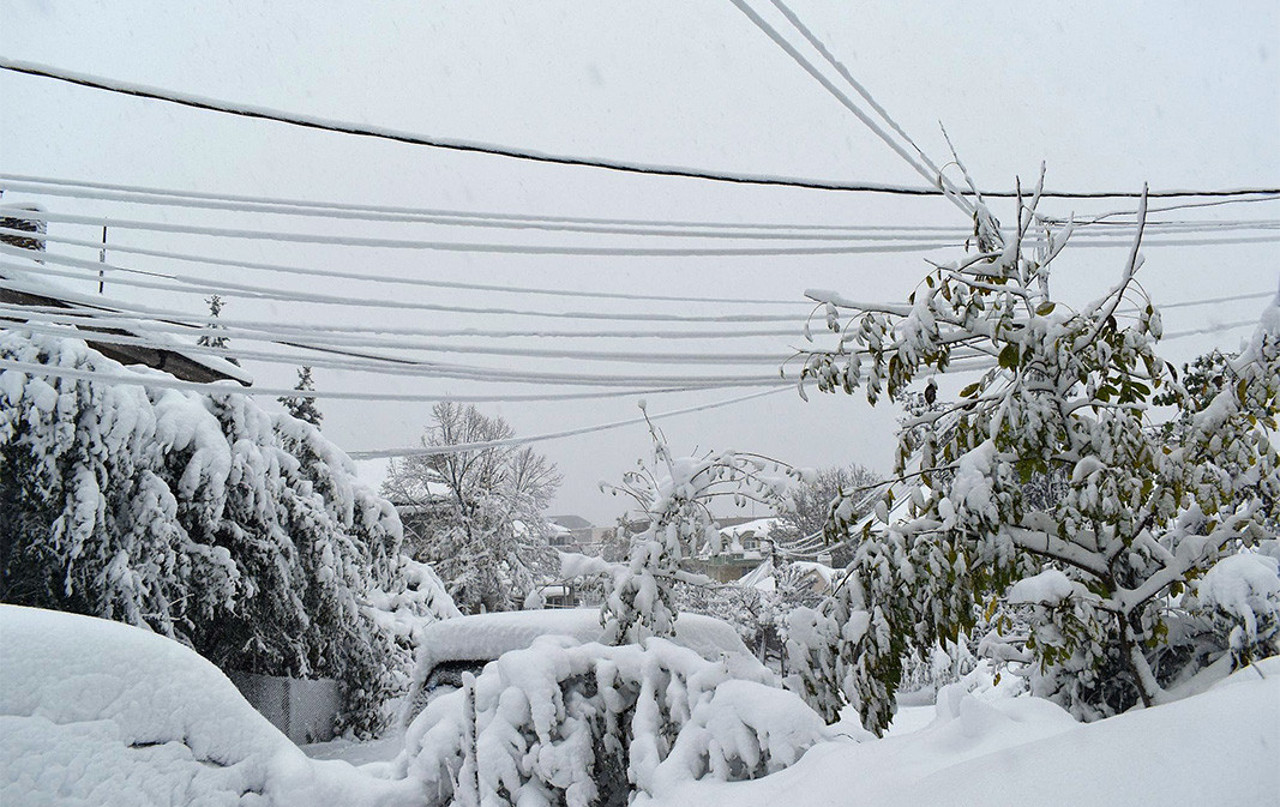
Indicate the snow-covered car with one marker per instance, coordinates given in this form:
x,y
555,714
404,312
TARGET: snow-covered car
x,y
99,713
466,644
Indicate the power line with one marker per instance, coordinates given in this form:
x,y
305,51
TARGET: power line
x,y
453,218
920,242
91,322
160,380
381,133
252,291
187,257
96,303
928,170
136,194
419,451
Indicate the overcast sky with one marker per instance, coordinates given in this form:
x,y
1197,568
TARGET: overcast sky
x,y
1177,94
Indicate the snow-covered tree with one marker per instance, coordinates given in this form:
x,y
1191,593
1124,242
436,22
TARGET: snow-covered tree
x,y
208,340
1094,573
204,517
487,537
813,499
303,407
673,497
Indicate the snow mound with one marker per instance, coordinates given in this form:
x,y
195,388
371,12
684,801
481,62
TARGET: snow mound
x,y
1047,588
100,713
1214,748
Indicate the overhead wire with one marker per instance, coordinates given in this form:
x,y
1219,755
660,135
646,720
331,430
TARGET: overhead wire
x,y
842,246
933,172
382,133
91,323
371,277
935,178
381,213
253,291
160,380
285,329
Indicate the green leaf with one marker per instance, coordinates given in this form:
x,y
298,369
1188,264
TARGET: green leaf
x,y
1009,356
1044,309
971,390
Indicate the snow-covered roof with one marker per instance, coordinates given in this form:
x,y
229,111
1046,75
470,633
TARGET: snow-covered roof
x,y
170,354
763,577
757,527
571,522
760,578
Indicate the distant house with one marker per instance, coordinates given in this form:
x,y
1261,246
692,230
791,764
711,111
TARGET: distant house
x,y
818,578
421,505
29,288
745,543
575,533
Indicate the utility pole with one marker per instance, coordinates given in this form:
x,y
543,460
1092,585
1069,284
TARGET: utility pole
x,y
102,258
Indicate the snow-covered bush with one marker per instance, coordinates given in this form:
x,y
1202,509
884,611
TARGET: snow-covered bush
x,y
1138,512
1241,594
204,517
586,724
404,614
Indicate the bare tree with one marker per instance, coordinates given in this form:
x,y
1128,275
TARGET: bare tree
x,y
815,498
478,511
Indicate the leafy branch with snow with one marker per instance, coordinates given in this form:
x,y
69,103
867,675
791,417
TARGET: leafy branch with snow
x,y
1086,588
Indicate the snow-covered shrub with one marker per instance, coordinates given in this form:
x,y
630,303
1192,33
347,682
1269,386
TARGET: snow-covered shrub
x,y
1241,594
204,517
1136,513
403,614
585,724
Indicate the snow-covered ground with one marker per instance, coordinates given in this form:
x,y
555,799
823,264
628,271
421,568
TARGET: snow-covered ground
x,y
1218,748
98,713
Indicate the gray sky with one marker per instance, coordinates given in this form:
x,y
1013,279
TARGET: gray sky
x,y
1177,94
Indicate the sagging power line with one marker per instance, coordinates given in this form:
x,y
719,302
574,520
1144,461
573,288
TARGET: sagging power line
x,y
381,133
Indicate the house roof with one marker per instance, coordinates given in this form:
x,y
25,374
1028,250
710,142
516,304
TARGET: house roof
x,y
571,522
29,287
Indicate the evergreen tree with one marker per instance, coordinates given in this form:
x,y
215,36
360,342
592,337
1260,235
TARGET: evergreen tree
x,y
209,340
203,517
303,407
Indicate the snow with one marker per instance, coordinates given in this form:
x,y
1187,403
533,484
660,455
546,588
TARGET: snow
x,y
1216,748
1244,586
100,713
484,637
576,723
1047,588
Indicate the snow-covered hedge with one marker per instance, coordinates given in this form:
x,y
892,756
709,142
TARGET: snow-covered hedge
x,y
204,517
584,724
